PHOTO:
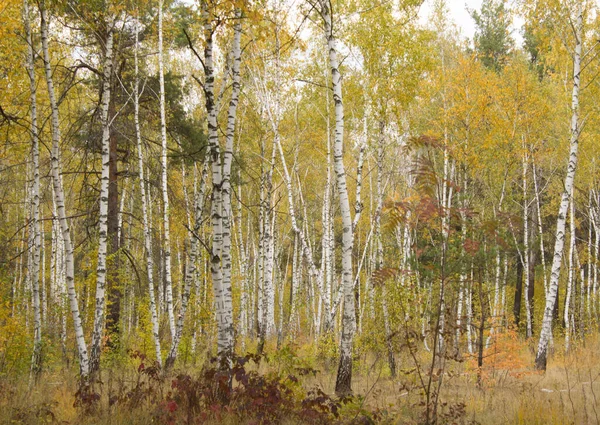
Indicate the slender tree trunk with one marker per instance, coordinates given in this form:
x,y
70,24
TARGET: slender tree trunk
x,y
571,275
528,300
267,319
113,316
164,175
379,244
145,212
101,272
190,271
540,226
327,239
36,359
59,198
343,384
518,292
545,334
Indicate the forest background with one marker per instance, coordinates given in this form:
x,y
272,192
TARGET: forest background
x,y
298,212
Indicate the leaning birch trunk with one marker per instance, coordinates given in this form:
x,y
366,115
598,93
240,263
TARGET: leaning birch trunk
x,y
163,164
343,385
59,198
96,347
545,334
529,332
36,359
145,218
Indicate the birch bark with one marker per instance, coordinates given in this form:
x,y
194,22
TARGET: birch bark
x,y
59,198
343,384
221,187
571,274
36,360
545,334
145,204
163,163
526,258
96,347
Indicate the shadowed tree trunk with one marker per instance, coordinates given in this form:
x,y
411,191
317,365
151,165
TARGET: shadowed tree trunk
x,y
114,288
518,292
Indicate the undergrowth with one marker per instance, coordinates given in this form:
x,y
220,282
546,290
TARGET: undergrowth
x,y
286,388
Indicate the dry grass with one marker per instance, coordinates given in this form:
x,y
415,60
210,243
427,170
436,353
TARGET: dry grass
x,y
568,393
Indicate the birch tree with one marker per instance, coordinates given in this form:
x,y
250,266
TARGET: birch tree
x,y
96,347
145,206
163,163
36,360
559,244
220,251
343,383
59,198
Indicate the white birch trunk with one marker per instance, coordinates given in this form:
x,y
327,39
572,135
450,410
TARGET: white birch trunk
x,y
221,193
571,274
529,332
545,334
540,227
59,198
96,347
36,360
163,163
145,213
226,183
344,376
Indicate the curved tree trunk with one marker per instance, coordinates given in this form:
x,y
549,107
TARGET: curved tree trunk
x,y
59,198
546,332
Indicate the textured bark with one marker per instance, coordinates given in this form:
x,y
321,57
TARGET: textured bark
x,y
528,298
220,255
243,269
540,226
327,245
59,198
101,271
35,228
267,307
163,164
145,215
571,275
343,385
546,332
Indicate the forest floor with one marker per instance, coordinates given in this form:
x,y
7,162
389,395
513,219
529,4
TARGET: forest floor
x,y
509,392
